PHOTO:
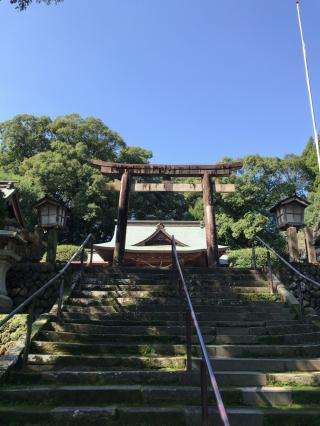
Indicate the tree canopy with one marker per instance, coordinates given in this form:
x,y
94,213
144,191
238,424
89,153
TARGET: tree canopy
x,y
51,157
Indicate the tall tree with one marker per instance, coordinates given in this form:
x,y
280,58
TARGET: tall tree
x,y
261,183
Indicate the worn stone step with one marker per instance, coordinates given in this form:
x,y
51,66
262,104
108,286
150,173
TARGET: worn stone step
x,y
287,339
101,314
113,394
95,320
116,337
294,379
199,305
155,416
157,349
90,329
65,348
284,329
272,365
92,362
177,338
126,284
153,395
224,378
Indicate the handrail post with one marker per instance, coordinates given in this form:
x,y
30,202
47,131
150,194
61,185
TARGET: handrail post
x,y
91,252
204,394
61,292
270,275
28,334
301,301
254,257
189,340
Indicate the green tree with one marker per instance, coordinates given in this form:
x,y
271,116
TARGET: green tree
x,y
261,183
23,137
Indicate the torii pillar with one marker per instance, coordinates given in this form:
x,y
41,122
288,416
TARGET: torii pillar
x,y
119,249
210,222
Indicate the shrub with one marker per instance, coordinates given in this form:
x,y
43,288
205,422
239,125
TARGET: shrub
x,y
12,331
65,252
242,258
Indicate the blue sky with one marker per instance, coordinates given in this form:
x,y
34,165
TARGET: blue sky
x,y
192,80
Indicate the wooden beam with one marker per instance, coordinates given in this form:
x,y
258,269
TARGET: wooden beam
x,y
182,170
171,187
119,249
210,222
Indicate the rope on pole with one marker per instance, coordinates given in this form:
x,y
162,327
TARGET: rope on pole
x,y
304,51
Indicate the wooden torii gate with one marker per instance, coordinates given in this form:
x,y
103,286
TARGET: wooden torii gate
x,y
126,171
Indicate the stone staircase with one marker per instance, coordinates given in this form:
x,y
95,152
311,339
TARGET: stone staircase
x,y
119,356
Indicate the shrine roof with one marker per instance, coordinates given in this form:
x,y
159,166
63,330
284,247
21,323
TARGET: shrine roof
x,y
150,235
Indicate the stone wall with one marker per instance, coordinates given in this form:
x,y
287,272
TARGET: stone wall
x,y
310,292
24,279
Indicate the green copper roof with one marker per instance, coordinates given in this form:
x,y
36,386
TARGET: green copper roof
x,y
191,234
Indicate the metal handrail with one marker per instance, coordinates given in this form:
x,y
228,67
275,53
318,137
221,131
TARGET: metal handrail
x,y
283,260
31,299
206,365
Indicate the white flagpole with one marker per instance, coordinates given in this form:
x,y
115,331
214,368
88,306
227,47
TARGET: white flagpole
x,y
304,51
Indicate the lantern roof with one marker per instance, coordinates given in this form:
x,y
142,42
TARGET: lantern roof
x,y
294,198
49,200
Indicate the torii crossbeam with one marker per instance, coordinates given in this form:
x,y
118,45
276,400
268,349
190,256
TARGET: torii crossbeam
x,y
126,171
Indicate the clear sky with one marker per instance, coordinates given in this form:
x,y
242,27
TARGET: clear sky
x,y
192,80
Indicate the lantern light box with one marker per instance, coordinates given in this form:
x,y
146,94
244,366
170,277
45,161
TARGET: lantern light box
x,y
51,213
290,212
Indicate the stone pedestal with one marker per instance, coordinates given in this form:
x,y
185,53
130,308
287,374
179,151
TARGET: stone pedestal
x,y
9,242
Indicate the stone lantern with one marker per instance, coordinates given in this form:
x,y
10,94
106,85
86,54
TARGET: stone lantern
x,y
52,216
289,216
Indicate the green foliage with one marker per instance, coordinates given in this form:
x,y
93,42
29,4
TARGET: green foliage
x,y
54,161
3,210
23,137
12,331
309,156
51,157
65,252
242,258
260,184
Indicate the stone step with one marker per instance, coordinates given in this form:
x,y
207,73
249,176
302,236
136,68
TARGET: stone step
x,y
177,338
157,416
80,377
93,313
31,376
90,329
153,395
284,329
168,285
94,320
113,394
199,305
156,349
218,293
116,337
93,363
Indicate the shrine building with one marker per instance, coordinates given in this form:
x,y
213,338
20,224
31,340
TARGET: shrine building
x,y
148,243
